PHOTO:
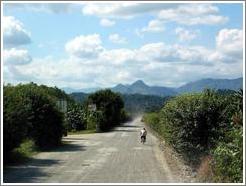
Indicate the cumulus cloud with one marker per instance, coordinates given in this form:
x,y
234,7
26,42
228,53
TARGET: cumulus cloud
x,y
116,38
230,41
14,33
154,26
160,52
185,35
124,10
155,63
117,56
193,14
88,46
229,46
187,14
55,8
16,57
106,23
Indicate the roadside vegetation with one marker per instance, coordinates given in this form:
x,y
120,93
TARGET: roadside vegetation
x,y
33,119
207,130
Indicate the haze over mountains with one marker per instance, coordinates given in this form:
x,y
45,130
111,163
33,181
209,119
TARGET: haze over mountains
x,y
139,87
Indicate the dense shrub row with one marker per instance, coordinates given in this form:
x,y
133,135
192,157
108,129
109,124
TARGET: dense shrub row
x,y
203,124
29,111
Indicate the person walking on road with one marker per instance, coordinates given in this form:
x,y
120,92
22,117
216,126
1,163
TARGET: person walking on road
x,y
143,134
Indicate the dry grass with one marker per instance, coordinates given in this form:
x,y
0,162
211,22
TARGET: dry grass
x,y
205,171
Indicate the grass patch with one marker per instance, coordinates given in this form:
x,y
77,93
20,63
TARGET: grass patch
x,y
23,153
89,131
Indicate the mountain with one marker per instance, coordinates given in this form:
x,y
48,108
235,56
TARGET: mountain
x,y
121,88
139,97
139,87
85,90
198,86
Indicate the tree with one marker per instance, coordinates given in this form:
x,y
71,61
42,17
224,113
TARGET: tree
x,y
30,112
16,113
109,104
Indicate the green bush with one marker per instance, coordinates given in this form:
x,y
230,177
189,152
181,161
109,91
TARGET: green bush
x,y
15,119
207,124
228,159
124,116
228,155
191,123
109,107
152,119
46,120
76,118
31,112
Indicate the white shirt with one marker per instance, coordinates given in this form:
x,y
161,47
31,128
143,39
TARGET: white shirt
x,y
143,132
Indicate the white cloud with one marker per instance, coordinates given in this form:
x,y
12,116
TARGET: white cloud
x,y
193,14
198,9
124,10
88,46
117,56
14,33
155,63
115,38
230,41
15,56
185,35
154,26
55,8
160,52
106,22
229,46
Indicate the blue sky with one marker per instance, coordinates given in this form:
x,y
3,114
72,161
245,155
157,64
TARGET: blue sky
x,y
100,45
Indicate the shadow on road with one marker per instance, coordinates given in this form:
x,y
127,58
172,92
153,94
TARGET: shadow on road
x,y
68,147
29,172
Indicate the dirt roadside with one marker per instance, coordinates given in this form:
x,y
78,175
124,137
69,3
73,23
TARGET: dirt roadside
x,y
177,165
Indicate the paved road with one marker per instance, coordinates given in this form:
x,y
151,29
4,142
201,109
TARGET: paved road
x,y
112,157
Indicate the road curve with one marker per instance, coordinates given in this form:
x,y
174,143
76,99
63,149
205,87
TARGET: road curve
x,y
112,157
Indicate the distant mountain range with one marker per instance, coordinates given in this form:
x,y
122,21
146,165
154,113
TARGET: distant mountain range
x,y
139,97
139,87
198,86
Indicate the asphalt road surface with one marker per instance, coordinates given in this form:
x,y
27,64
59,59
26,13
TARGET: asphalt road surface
x,y
112,157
